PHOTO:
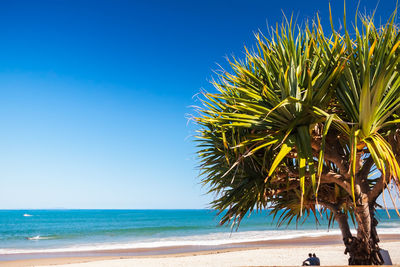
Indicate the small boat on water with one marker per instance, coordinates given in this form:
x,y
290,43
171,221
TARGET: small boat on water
x,y
27,215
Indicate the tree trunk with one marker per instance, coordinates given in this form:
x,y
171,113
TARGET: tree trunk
x,y
362,249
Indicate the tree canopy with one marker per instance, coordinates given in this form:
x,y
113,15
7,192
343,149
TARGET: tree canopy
x,y
304,121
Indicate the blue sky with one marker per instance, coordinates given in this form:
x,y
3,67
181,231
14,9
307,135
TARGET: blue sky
x,y
93,94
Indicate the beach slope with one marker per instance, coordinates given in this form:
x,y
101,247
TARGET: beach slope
x,y
262,256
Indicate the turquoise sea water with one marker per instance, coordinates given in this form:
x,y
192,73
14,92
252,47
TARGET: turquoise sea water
x,y
83,230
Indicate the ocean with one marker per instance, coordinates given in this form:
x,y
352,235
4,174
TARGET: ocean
x,y
43,231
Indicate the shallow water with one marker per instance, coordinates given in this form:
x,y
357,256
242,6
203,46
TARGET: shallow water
x,y
81,230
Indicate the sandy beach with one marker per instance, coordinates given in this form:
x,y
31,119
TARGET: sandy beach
x,y
277,253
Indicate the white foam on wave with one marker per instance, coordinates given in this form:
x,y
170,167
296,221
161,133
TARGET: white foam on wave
x,y
195,240
389,224
214,239
38,237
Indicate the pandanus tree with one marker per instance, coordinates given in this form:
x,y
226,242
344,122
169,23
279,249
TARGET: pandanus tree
x,y
300,126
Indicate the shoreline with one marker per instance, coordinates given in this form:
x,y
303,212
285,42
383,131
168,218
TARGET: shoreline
x,y
294,244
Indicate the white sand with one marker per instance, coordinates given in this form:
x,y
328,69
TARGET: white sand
x,y
328,254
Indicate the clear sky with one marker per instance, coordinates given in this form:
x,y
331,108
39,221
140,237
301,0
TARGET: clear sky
x,y
93,94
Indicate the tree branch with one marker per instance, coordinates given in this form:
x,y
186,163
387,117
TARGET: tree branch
x,y
326,178
334,157
366,167
333,177
378,188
